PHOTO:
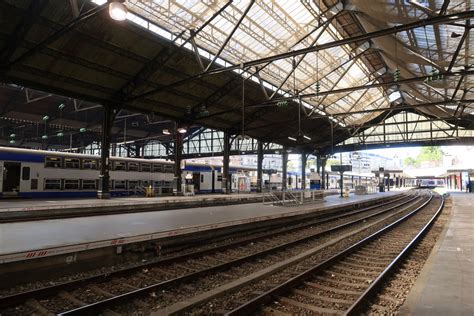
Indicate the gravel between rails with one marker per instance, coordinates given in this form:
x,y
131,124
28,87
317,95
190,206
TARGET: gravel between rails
x,y
233,300
393,296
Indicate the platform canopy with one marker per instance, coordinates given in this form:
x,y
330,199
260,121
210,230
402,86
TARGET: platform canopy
x,y
304,74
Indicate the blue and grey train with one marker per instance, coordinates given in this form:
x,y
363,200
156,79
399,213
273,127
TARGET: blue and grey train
x,y
38,173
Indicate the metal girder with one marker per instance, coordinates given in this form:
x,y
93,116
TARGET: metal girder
x,y
22,29
398,107
461,42
363,37
236,26
376,85
55,36
162,58
324,26
433,142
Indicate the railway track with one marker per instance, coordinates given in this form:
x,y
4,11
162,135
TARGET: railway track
x,y
100,292
347,282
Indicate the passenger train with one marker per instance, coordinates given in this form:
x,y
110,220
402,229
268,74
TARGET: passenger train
x,y
430,183
38,173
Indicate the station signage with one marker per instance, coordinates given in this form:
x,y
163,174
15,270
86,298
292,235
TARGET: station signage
x,y
341,168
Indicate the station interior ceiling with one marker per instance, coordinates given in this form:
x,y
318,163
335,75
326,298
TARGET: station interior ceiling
x,y
308,75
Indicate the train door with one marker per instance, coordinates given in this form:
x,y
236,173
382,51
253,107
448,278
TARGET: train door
x,y
197,181
11,176
213,179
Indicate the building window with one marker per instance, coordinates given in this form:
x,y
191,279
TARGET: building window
x,y
71,184
52,162
72,163
52,184
132,166
89,184
89,164
120,166
25,175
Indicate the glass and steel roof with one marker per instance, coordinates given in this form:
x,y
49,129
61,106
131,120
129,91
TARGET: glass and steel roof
x,y
272,27
269,28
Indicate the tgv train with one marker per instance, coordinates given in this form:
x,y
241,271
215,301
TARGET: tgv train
x,y
37,173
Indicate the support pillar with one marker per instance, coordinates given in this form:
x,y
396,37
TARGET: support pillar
x,y
304,158
284,162
259,166
460,181
323,173
226,184
319,163
178,156
108,116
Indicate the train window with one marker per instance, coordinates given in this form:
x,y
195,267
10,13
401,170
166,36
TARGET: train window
x,y
145,183
25,175
52,162
34,184
120,166
89,164
71,184
146,167
132,184
168,168
72,163
120,184
52,184
168,184
89,184
133,166
157,184
157,168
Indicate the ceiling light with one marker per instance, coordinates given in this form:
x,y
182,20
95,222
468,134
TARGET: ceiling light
x,y
44,137
292,138
82,129
182,130
12,135
306,137
12,141
117,11
166,131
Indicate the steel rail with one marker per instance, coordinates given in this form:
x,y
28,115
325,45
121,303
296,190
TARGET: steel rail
x,y
127,297
18,298
252,305
361,303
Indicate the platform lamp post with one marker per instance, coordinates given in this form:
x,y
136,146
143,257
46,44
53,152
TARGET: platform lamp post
x,y
341,173
358,157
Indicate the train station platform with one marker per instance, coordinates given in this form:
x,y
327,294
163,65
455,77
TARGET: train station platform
x,y
35,209
37,239
446,283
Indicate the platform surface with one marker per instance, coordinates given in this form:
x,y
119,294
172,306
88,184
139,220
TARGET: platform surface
x,y
15,205
55,236
449,287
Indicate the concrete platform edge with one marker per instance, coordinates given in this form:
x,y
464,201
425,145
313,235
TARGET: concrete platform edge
x,y
66,249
